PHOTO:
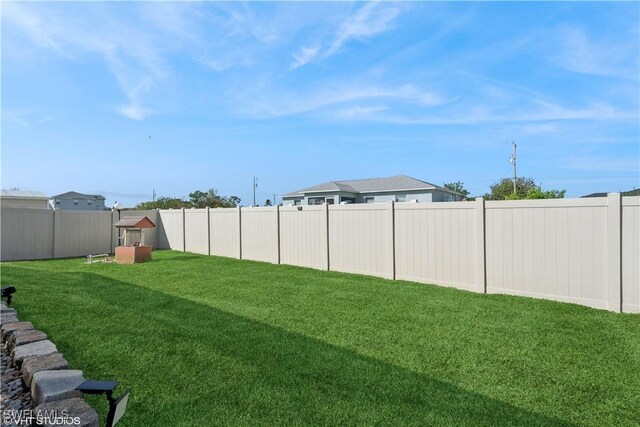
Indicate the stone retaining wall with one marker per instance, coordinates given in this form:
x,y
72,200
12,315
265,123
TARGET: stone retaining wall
x,y
37,386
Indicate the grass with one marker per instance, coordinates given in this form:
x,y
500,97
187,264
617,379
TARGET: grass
x,y
204,340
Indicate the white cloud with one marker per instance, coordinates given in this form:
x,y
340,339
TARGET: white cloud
x,y
134,111
579,53
287,104
358,111
135,46
303,57
371,19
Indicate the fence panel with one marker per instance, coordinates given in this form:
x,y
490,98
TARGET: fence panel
x,y
26,234
436,243
303,236
79,233
224,229
360,239
631,254
553,249
196,229
171,229
584,251
260,234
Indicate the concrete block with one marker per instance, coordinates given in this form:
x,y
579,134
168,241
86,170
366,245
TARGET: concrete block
x,y
18,338
50,386
51,362
15,326
75,412
8,318
38,348
7,310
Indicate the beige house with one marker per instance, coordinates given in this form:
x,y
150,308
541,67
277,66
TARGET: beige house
x,y
24,199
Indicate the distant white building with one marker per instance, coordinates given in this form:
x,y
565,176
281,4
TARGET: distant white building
x,y
400,188
74,201
24,199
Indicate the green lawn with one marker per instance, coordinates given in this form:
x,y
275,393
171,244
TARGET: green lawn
x,y
205,340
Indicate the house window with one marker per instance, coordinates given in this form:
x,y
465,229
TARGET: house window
x,y
75,201
401,198
297,202
316,200
89,202
329,200
348,200
368,199
57,201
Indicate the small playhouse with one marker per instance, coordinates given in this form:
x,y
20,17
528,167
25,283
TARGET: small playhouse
x,y
132,248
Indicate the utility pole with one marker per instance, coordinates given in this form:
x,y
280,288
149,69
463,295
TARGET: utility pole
x,y
154,194
274,200
255,185
513,161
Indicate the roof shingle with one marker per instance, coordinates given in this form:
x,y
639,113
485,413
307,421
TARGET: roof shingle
x,y
393,183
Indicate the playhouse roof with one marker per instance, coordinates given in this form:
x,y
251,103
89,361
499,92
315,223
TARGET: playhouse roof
x,y
134,222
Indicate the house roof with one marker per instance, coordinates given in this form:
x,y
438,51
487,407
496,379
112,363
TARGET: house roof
x,y
371,185
134,222
76,195
595,195
634,192
24,194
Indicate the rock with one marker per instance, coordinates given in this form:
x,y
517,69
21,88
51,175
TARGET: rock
x,y
51,362
24,337
15,326
8,318
5,310
38,348
78,413
49,386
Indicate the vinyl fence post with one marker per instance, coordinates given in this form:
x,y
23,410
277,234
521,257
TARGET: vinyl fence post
x,y
614,251
278,234
53,249
239,232
111,231
326,224
184,232
208,231
481,261
391,243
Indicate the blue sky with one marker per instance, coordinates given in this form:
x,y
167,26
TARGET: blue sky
x,y
123,98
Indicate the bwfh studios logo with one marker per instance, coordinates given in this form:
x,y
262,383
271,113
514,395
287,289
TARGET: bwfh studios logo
x,y
28,417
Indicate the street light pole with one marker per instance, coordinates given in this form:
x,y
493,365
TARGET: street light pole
x,y
513,161
255,185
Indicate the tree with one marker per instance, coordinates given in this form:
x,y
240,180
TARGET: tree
x,y
526,188
233,201
268,203
457,186
211,199
163,203
197,199
538,193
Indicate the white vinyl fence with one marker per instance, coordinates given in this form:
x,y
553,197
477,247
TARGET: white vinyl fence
x,y
43,234
584,251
